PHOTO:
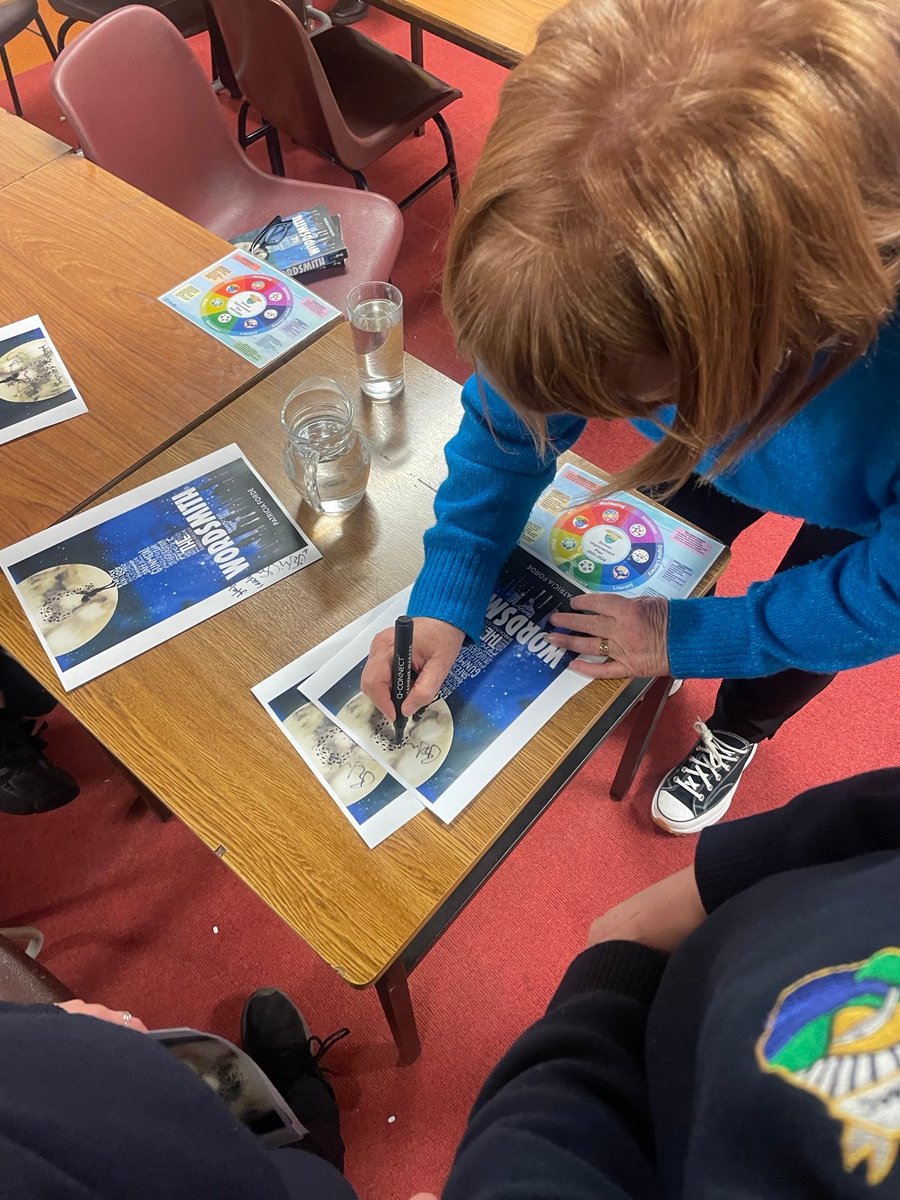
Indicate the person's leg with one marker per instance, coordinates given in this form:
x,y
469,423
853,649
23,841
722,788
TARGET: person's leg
x,y
29,782
307,1177
348,12
756,708
275,1035
711,510
20,693
699,790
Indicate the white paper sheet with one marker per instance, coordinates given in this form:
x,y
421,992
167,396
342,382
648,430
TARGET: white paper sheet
x,y
498,694
251,307
373,802
120,578
617,544
36,390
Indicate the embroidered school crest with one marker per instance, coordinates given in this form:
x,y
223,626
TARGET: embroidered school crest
x,y
836,1034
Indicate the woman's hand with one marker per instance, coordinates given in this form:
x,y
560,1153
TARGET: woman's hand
x,y
435,647
659,917
634,633
111,1015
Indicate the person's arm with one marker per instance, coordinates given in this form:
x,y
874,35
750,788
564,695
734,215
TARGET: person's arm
x,y
827,824
495,476
565,1115
829,615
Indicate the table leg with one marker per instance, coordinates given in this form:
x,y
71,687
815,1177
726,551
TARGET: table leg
x,y
393,992
416,52
646,719
151,800
416,55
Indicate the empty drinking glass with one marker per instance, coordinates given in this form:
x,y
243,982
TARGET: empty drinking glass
x,y
325,456
375,312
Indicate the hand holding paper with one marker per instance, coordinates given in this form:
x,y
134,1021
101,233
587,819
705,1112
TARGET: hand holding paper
x,y
632,632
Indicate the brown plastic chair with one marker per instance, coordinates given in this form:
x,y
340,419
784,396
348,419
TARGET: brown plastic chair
x,y
187,16
140,106
338,93
15,17
22,979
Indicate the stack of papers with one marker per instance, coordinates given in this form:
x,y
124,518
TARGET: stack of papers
x,y
503,688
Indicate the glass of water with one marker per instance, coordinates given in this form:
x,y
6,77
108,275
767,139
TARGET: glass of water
x,y
375,311
325,456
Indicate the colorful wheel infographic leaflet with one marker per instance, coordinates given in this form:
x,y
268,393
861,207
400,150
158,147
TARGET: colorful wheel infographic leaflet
x,y
607,546
247,305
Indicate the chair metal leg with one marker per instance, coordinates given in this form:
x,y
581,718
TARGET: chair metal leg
x,y
449,168
25,933
646,719
10,82
451,155
267,131
222,71
242,124
273,145
45,34
63,31
393,992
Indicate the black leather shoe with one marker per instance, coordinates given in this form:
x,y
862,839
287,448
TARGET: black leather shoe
x,y
275,1035
348,12
29,782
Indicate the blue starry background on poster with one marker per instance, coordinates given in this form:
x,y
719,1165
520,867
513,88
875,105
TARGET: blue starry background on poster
x,y
380,797
235,496
494,680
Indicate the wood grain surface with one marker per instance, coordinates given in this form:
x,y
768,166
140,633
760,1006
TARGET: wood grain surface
x,y
24,148
182,718
90,255
502,29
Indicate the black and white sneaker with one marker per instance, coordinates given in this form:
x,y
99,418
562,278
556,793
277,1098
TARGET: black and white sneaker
x,y
699,790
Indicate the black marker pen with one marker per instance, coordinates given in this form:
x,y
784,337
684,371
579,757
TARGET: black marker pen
x,y
401,672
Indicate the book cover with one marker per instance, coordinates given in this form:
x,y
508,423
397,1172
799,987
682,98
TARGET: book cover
x,y
312,242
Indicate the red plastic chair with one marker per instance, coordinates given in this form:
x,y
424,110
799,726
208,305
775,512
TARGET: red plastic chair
x,y
339,93
140,106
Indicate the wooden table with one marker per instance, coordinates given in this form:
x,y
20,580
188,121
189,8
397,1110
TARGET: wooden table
x,y
182,718
91,254
24,148
503,31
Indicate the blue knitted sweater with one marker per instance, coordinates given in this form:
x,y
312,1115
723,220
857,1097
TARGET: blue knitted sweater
x,y
836,464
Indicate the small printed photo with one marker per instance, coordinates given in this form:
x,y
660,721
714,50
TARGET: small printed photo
x,y
36,390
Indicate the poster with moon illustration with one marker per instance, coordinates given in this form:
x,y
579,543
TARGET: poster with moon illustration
x,y
616,543
374,802
36,390
498,694
119,579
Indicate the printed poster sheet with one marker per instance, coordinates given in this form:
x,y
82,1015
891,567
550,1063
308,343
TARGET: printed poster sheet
x,y
251,307
370,798
36,390
503,688
616,544
500,691
120,578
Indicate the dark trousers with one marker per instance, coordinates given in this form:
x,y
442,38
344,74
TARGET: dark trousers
x,y
756,708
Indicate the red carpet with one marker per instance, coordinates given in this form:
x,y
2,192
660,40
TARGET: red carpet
x,y
130,907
